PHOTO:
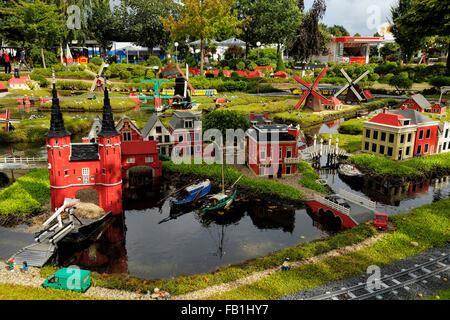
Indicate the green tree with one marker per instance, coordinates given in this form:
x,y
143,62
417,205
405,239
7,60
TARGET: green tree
x,y
338,31
103,24
203,19
268,21
223,120
357,35
142,23
409,43
389,51
33,23
309,40
426,18
401,81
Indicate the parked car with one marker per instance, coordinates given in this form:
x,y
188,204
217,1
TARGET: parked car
x,y
69,279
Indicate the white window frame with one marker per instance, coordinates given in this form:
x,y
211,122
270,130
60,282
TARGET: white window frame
x,y
131,160
148,159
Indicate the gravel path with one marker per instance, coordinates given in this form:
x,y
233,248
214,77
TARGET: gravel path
x,y
224,287
429,288
34,279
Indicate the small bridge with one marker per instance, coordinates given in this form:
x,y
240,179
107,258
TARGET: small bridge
x,y
357,209
38,254
316,151
11,163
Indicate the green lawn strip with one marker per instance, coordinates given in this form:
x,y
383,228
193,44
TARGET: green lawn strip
x,y
428,225
416,167
31,131
348,142
27,194
186,284
443,295
18,292
309,177
214,172
92,105
352,126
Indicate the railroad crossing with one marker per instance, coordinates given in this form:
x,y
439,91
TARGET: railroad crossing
x,y
38,254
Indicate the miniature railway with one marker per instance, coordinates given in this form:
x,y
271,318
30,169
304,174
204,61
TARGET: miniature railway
x,y
390,284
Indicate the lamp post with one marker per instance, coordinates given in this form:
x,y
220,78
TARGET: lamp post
x,y
176,50
258,44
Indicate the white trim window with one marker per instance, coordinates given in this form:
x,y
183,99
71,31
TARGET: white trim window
x,y
131,160
148,159
262,152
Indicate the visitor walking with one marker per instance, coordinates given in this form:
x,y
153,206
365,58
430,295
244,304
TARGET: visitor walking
x,y
6,61
22,60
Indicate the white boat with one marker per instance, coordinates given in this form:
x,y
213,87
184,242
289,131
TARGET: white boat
x,y
349,170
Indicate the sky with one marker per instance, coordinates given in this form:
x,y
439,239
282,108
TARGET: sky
x,y
357,16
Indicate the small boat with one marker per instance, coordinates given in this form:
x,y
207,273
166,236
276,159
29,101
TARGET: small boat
x,y
220,200
349,171
192,193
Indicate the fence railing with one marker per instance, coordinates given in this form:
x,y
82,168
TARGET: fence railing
x,y
332,205
22,160
357,199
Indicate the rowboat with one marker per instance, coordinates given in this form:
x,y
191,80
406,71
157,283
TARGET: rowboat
x,y
192,193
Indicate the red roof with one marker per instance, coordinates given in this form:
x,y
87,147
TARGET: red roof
x,y
253,74
242,73
281,74
388,119
138,147
358,39
22,79
263,69
334,101
3,88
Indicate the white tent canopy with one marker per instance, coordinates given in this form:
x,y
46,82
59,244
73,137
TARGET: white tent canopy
x,y
232,42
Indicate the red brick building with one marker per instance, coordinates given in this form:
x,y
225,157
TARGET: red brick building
x,y
272,150
417,102
186,136
74,167
128,130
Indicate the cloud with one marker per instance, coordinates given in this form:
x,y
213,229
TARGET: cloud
x,y
356,15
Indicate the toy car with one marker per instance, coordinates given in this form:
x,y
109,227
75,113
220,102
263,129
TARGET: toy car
x,y
69,279
380,221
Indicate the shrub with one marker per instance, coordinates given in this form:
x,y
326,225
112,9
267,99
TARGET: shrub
x,y
235,85
309,177
43,82
97,61
401,81
374,76
240,66
58,67
387,78
280,64
440,81
5,77
263,62
153,61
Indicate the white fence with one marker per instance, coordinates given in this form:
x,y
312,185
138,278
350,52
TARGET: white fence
x,y
332,205
23,160
357,199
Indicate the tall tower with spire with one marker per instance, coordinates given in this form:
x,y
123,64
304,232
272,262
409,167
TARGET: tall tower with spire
x,y
109,147
58,147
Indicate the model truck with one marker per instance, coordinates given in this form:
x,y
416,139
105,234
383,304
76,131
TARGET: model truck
x,y
69,279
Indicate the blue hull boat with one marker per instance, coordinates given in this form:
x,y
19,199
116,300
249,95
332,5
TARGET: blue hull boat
x,y
193,193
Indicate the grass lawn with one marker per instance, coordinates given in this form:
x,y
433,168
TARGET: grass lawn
x,y
428,225
441,295
214,172
27,194
409,168
309,177
17,292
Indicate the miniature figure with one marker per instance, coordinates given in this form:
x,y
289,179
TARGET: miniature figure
x,y
11,264
285,265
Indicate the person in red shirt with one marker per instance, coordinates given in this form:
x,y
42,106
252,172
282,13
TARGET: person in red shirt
x,y
6,61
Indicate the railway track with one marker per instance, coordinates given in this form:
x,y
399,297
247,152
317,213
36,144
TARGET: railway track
x,y
391,284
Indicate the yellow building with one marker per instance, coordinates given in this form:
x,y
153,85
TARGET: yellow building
x,y
389,135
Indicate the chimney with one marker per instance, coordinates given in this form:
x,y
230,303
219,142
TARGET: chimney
x,y
266,114
252,115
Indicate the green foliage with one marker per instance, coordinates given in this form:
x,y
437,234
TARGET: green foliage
x,y
263,62
401,81
5,77
43,82
240,66
27,194
280,64
154,61
440,81
96,60
35,55
309,177
352,126
412,168
19,292
223,120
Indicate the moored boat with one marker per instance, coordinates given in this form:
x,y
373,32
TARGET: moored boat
x,y
192,193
